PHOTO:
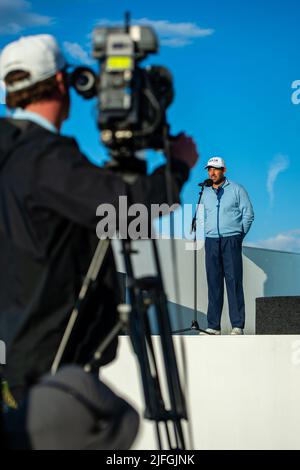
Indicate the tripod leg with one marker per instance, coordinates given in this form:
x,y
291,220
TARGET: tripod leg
x,y
93,365
142,344
170,365
90,277
140,333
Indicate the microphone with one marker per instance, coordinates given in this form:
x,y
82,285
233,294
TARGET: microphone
x,y
207,183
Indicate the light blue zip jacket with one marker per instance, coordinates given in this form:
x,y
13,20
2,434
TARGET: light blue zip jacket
x,y
229,213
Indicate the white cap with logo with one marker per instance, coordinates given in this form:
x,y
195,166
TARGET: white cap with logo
x,y
38,55
216,162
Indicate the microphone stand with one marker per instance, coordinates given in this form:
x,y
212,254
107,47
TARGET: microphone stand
x,y
195,325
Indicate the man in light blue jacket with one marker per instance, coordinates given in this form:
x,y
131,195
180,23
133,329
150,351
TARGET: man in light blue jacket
x,y
228,215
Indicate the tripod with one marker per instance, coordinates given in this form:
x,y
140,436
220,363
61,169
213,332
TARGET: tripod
x,y
144,293
195,325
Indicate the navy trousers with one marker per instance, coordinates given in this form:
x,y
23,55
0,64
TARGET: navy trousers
x,y
223,259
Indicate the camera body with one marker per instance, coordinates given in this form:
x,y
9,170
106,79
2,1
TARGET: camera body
x,y
132,101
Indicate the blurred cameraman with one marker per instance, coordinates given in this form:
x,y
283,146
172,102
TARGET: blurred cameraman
x,y
49,193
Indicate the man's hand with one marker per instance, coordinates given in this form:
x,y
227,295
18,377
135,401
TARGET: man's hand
x,y
183,148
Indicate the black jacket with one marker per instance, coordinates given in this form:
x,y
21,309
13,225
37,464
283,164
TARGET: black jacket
x,y
49,193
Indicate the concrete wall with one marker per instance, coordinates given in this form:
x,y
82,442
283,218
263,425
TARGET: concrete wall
x,y
266,273
243,392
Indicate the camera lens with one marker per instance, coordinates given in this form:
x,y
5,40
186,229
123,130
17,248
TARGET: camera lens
x,y
84,80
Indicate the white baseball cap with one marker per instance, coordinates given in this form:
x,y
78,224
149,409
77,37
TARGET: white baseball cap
x,y
38,55
216,162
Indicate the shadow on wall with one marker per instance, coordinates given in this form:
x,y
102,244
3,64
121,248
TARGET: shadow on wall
x,y
282,270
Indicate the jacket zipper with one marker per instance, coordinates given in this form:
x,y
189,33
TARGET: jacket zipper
x,y
218,213
218,218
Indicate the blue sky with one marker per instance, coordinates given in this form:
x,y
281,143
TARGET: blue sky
x,y
233,64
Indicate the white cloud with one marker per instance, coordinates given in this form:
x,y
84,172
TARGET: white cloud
x,y
286,241
279,164
186,30
171,34
16,16
176,42
77,52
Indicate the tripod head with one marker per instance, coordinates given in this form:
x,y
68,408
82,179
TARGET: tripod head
x,y
128,167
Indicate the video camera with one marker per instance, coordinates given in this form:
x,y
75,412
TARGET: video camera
x,y
132,101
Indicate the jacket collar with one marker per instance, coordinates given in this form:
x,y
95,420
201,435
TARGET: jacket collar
x,y
226,183
34,117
